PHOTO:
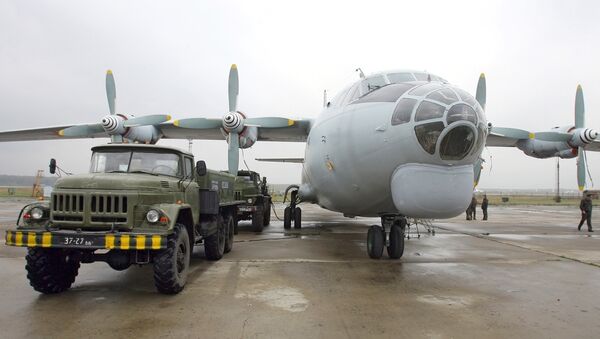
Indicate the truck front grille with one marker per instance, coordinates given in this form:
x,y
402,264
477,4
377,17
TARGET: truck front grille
x,y
76,208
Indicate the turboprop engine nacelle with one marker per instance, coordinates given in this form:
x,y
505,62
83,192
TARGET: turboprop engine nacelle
x,y
542,149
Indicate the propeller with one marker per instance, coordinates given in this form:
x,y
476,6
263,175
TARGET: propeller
x,y
117,125
234,123
481,91
580,123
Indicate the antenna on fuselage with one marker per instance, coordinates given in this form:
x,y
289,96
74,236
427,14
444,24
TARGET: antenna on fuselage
x,y
324,98
360,73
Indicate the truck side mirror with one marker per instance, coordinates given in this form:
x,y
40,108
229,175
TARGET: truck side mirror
x,y
52,166
201,168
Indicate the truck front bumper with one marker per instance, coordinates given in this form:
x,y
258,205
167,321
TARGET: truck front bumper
x,y
86,240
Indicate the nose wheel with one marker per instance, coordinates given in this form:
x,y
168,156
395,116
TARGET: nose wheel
x,y
376,238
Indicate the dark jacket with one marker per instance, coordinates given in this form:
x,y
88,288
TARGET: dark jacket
x,y
484,204
585,205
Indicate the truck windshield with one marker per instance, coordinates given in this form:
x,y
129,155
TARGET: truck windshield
x,y
136,162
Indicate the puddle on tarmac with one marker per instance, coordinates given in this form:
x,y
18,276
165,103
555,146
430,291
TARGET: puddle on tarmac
x,y
285,298
445,300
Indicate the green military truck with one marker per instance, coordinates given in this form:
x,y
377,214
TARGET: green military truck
x,y
254,192
140,204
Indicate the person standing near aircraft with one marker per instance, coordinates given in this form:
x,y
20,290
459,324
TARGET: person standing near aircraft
x,y
484,206
586,212
474,207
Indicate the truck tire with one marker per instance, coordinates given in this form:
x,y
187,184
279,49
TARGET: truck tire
x,y
258,219
214,244
267,212
287,218
298,218
51,270
230,228
171,265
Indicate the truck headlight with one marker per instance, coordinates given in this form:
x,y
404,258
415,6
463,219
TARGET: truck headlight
x,y
36,213
153,216
249,201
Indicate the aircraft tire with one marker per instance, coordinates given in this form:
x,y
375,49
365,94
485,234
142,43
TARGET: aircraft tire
x,y
287,218
171,265
396,246
375,242
298,218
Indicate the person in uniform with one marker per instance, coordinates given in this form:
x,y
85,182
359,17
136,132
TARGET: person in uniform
x,y
474,207
586,212
484,206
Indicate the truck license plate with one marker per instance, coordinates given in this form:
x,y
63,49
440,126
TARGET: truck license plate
x,y
77,241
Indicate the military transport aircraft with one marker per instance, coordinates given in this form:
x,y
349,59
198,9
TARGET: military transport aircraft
x,y
378,149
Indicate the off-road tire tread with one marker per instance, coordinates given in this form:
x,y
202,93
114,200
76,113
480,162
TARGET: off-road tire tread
x,y
44,273
164,276
258,219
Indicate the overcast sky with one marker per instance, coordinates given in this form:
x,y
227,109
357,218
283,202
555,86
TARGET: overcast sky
x,y
174,58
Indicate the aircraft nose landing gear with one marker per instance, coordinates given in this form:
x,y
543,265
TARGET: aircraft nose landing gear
x,y
376,237
292,212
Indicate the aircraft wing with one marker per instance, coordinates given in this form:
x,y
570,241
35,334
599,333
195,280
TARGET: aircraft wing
x,y
290,160
594,146
45,133
296,132
496,139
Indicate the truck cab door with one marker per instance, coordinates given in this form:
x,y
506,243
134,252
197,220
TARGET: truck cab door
x,y
191,186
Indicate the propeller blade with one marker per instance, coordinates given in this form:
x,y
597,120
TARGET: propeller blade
x,y
579,108
481,91
155,119
81,131
581,169
233,155
514,133
111,91
271,122
553,136
234,88
199,123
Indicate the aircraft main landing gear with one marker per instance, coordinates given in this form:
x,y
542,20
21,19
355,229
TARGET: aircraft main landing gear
x,y
376,237
292,212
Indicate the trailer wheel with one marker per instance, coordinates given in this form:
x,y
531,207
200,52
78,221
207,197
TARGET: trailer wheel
x,y
230,228
51,270
267,212
214,244
171,265
258,219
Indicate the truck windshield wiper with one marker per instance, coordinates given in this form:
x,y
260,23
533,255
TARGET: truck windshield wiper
x,y
144,172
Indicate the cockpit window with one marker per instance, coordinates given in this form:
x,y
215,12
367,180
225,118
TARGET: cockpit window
x,y
428,134
466,97
457,143
403,111
461,112
428,110
396,78
388,93
421,76
372,83
446,95
424,89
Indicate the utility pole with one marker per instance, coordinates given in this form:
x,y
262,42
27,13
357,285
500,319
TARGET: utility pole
x,y
557,197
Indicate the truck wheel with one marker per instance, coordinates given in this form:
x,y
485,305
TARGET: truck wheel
x,y
258,219
214,244
171,265
287,218
51,270
267,212
230,227
298,218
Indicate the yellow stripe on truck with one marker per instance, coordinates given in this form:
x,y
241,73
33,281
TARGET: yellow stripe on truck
x,y
19,239
140,242
31,239
109,241
46,239
124,242
9,238
156,242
